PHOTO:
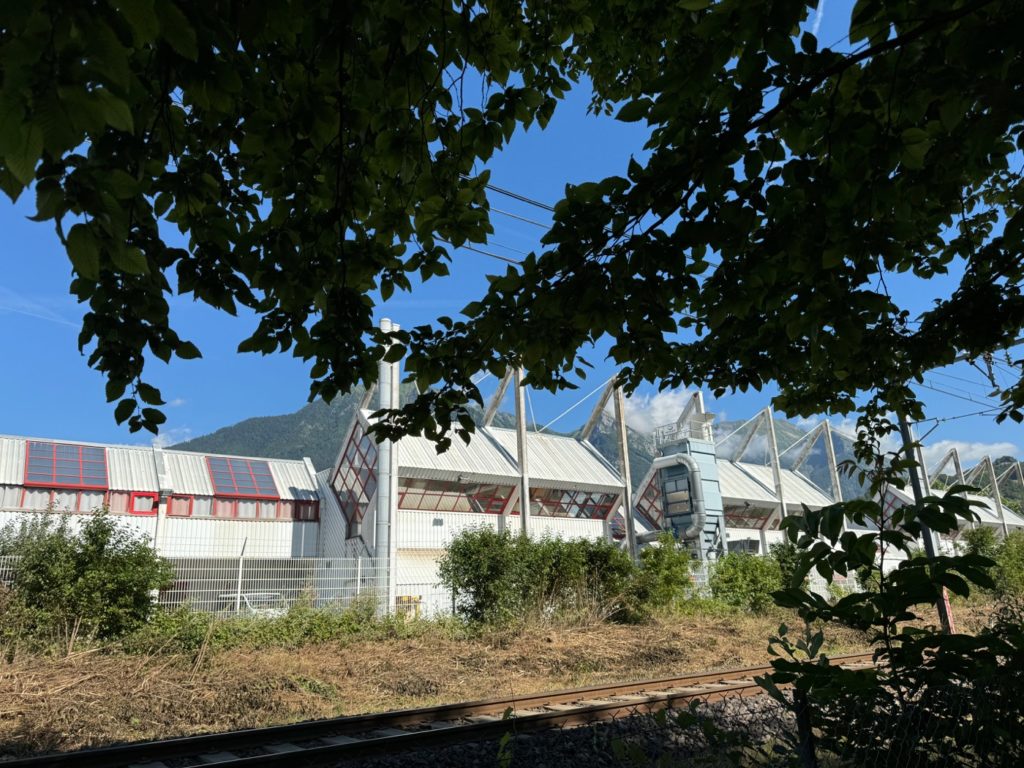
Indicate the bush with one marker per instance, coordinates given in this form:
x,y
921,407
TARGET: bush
x,y
664,581
501,577
95,584
745,581
1009,570
186,631
981,541
786,554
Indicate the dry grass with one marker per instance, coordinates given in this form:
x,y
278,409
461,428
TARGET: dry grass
x,y
99,698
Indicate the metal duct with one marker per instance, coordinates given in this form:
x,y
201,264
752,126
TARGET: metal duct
x,y
696,496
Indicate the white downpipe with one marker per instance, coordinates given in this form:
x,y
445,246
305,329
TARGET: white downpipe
x,y
384,543
522,456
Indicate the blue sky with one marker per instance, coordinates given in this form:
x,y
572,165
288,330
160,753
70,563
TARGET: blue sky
x,y
50,392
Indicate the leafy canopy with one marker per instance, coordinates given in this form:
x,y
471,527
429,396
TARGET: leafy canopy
x,y
314,152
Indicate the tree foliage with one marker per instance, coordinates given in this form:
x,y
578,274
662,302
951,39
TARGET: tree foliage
x,y
93,583
314,152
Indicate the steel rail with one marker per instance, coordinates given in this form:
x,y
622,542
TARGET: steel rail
x,y
429,726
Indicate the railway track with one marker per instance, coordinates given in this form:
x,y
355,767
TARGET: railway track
x,y
332,741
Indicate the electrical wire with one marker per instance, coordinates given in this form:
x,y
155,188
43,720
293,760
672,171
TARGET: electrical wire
x,y
577,404
954,394
520,198
497,256
511,215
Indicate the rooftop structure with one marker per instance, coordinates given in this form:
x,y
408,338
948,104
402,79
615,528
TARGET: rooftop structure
x,y
190,504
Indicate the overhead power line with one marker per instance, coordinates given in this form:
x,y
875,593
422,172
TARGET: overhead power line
x,y
473,248
535,223
521,198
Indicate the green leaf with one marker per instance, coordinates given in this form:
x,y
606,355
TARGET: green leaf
x,y
188,351
149,394
130,260
175,29
395,353
125,409
634,110
142,18
153,416
22,160
115,112
84,251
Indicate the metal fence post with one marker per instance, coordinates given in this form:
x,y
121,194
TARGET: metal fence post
x,y
238,589
359,574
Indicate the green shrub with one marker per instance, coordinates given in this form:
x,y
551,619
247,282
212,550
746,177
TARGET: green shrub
x,y
745,581
500,577
186,631
786,554
981,541
95,584
1009,570
664,580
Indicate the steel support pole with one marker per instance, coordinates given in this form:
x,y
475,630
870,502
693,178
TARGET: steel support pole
x,y
773,453
522,456
627,483
929,543
833,467
996,495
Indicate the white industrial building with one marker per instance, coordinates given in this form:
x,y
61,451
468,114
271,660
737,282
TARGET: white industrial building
x,y
381,517
189,504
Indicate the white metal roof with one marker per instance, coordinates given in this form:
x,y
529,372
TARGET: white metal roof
x,y
136,468
743,481
293,479
12,460
985,508
481,460
188,473
555,461
131,469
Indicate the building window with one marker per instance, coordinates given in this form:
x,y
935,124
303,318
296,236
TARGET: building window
x,y
62,499
63,465
144,503
179,506
355,482
307,510
442,496
119,502
242,478
649,503
587,505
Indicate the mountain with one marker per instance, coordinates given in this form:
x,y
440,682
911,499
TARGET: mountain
x,y
316,430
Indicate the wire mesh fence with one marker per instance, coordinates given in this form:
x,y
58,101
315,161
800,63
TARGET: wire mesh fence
x,y
270,586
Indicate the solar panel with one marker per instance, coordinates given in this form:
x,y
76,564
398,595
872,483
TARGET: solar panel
x,y
65,465
241,477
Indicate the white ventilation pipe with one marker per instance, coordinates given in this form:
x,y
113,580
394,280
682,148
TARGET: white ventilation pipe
x,y
695,529
387,481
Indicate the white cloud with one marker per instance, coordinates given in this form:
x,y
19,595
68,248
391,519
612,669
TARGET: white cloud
x,y
176,402
970,453
171,436
20,304
646,412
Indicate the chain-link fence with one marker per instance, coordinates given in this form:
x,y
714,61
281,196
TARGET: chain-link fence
x,y
268,586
